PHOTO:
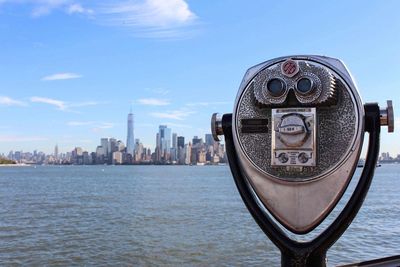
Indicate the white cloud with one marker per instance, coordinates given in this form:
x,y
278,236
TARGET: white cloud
x,y
147,18
153,102
103,126
58,103
80,123
61,76
151,18
17,138
46,7
96,126
85,104
78,9
8,101
62,105
175,114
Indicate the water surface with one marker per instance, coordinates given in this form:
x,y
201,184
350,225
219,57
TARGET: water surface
x,y
162,216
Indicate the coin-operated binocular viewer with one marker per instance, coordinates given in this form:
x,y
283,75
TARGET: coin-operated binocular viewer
x,y
293,143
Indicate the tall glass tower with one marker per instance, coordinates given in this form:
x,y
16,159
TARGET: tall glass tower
x,y
130,141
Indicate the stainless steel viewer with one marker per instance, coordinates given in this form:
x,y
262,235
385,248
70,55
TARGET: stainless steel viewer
x,y
298,128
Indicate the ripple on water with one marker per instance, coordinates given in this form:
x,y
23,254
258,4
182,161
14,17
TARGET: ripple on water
x,y
161,216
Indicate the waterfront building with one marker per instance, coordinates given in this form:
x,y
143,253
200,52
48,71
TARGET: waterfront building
x,y
86,158
56,152
104,145
181,141
130,141
120,145
174,140
138,151
209,140
201,157
164,141
112,147
188,153
99,151
117,157
174,149
182,155
157,153
173,155
196,141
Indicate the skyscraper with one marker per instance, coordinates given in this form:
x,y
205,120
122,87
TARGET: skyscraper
x,y
130,141
181,141
196,140
164,141
174,140
56,151
209,140
104,145
174,148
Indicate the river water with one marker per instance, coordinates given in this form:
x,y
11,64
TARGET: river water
x,y
162,216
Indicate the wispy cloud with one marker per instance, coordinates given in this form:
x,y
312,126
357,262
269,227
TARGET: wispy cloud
x,y
54,102
96,126
79,9
106,125
45,7
19,138
153,102
80,123
147,18
41,8
85,104
62,105
103,126
174,114
151,18
61,76
8,101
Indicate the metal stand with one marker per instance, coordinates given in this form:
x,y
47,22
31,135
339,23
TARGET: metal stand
x,y
311,253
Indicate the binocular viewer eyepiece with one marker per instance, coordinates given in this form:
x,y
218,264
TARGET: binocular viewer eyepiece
x,y
294,139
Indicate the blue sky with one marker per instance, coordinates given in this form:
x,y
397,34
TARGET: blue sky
x,y
70,70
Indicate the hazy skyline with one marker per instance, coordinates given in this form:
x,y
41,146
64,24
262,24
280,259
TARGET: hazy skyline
x,y
71,70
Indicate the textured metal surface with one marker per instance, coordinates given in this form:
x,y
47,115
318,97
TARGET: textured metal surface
x,y
297,138
335,126
301,199
323,79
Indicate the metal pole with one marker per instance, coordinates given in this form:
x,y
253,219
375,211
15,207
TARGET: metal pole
x,y
312,253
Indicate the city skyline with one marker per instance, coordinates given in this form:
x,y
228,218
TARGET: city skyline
x,y
130,134
170,149
71,68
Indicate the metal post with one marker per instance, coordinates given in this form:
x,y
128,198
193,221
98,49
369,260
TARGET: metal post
x,y
311,253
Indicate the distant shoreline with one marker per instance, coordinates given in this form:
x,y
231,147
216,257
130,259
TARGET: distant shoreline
x,y
113,165
15,165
